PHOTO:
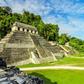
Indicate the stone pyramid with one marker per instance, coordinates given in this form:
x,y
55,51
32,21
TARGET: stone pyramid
x,y
24,45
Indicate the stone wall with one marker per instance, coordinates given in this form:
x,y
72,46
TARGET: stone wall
x,y
24,45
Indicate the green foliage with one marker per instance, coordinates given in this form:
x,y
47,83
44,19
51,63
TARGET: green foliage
x,y
59,76
77,44
51,32
63,38
65,61
48,31
7,18
74,42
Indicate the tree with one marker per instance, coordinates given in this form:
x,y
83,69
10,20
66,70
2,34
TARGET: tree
x,y
51,32
77,44
63,38
8,9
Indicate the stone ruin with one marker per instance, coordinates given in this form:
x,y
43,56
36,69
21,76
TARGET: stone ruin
x,y
24,45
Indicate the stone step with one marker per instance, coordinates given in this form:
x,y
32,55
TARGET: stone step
x,y
38,46
20,37
47,46
14,55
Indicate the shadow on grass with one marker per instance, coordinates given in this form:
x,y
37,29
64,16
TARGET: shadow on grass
x,y
46,80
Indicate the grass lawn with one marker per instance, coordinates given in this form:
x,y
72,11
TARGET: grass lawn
x,y
60,76
79,55
64,61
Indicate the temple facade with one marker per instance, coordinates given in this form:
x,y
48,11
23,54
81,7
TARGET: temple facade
x,y
24,45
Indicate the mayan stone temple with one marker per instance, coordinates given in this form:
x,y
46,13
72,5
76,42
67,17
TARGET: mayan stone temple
x,y
24,45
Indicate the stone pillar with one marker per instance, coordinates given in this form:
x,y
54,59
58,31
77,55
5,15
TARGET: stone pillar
x,y
33,32
29,31
25,30
14,28
21,29
36,32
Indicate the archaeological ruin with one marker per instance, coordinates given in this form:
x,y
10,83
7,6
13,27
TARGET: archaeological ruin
x,y
24,45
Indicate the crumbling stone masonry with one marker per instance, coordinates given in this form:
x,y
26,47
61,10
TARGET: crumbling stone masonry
x,y
23,45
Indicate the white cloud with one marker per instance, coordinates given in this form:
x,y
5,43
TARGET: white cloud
x,y
70,26
43,7
67,6
37,7
2,3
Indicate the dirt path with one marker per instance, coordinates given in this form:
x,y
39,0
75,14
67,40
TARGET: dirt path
x,y
53,67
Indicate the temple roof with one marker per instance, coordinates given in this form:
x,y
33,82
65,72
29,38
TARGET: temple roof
x,y
22,25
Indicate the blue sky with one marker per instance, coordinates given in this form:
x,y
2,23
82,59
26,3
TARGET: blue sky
x,y
68,14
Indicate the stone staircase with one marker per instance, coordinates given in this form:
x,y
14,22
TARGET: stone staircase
x,y
17,47
22,47
6,38
20,37
48,48
14,54
40,50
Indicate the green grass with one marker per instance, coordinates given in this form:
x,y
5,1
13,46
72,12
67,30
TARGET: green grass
x,y
60,76
64,61
78,54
